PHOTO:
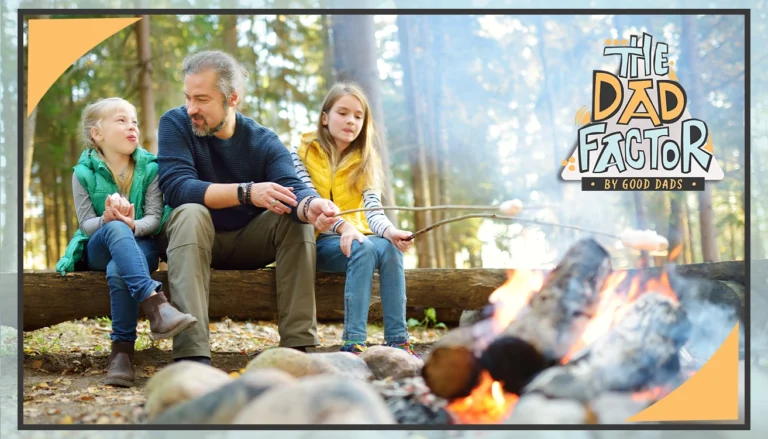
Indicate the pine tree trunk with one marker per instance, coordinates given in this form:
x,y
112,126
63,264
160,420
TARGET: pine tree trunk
x,y
414,106
687,231
355,58
675,235
147,97
11,203
690,57
640,220
46,218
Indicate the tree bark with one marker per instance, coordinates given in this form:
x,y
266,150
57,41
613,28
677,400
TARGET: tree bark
x,y
355,58
642,224
9,242
147,97
688,232
690,53
425,248
229,27
675,236
56,229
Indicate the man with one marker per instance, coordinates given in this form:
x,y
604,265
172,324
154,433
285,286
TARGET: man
x,y
238,204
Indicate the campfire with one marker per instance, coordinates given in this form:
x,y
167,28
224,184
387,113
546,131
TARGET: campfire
x,y
576,333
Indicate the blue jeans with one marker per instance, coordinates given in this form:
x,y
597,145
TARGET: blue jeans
x,y
128,262
374,253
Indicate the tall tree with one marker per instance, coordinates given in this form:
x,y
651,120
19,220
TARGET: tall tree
x,y
149,131
355,56
690,53
408,34
9,244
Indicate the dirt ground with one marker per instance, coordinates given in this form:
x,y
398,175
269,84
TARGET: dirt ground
x,y
65,365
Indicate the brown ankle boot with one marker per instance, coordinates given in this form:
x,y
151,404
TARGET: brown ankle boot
x,y
120,371
165,321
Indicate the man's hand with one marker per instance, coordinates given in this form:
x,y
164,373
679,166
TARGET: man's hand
x,y
399,238
321,214
273,197
348,234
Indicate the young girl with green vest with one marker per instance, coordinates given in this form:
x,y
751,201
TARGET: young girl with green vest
x,y
340,162
119,209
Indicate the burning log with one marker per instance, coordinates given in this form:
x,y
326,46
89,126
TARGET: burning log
x,y
452,369
555,318
639,351
540,337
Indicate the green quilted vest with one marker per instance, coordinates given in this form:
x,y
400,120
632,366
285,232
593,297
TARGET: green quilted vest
x,y
94,176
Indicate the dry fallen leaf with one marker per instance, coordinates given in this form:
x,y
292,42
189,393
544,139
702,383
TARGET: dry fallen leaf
x,y
52,412
36,364
66,420
86,397
42,385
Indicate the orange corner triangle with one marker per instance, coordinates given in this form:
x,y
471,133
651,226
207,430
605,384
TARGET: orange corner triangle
x,y
55,44
712,394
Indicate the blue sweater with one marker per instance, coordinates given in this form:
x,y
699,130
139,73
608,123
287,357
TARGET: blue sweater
x,y
188,164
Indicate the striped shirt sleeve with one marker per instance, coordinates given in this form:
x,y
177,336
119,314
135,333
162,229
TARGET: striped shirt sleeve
x,y
301,171
377,220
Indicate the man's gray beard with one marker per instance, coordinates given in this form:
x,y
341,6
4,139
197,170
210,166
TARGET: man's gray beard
x,y
204,131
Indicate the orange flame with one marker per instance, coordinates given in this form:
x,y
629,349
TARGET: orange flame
x,y
487,404
651,395
514,295
675,252
613,305
661,286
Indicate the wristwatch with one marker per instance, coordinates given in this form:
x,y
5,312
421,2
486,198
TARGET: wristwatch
x,y
240,193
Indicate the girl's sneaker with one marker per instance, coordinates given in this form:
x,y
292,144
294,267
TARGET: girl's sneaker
x,y
353,347
406,346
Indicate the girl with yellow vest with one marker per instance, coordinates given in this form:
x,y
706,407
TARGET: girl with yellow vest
x,y
339,161
119,209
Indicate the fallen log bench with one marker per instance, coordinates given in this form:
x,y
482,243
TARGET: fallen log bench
x,y
49,298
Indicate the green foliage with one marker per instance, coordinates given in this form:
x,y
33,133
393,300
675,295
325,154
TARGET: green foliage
x,y
430,320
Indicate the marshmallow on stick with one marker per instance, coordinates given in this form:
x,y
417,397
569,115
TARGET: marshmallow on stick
x,y
644,240
511,207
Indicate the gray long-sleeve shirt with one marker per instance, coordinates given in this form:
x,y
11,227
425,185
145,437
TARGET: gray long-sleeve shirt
x,y
90,223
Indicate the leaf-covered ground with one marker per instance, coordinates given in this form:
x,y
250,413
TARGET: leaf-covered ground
x,y
65,365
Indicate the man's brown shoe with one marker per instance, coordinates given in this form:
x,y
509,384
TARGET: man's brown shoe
x,y
120,371
165,321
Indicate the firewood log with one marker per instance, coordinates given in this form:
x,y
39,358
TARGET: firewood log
x,y
554,320
452,369
639,351
542,335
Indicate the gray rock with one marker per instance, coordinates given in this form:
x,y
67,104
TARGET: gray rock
x,y
223,404
389,362
535,408
347,364
181,382
298,364
616,407
326,399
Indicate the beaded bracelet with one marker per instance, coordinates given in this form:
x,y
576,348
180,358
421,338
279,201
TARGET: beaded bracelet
x,y
306,206
248,193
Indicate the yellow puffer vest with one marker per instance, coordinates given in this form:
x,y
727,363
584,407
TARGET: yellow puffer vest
x,y
332,185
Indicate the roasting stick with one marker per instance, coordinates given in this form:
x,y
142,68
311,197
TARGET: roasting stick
x,y
636,239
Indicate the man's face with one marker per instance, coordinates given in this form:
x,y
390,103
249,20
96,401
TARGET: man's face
x,y
206,106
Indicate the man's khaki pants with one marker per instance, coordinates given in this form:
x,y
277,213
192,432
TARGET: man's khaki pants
x,y
193,247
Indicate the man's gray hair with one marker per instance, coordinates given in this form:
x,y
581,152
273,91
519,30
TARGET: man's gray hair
x,y
231,75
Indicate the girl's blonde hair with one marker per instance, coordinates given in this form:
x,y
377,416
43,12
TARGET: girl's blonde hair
x,y
92,116
368,174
